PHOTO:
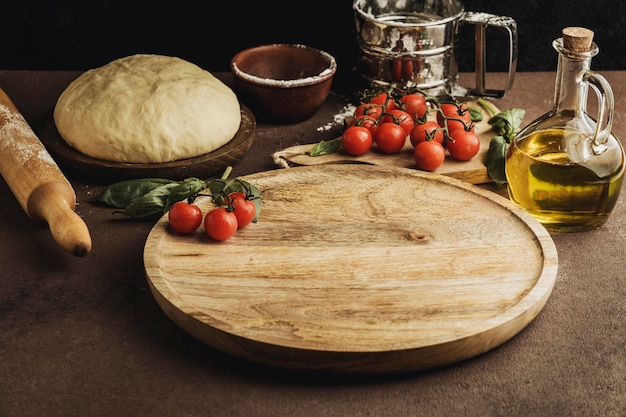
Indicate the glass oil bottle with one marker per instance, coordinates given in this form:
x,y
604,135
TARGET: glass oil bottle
x,y
566,168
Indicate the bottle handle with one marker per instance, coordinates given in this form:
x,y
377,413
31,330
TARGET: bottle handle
x,y
606,109
481,21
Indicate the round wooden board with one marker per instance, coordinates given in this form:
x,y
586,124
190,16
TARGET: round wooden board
x,y
358,269
204,166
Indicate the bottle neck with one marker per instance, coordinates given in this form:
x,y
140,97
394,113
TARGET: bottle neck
x,y
570,90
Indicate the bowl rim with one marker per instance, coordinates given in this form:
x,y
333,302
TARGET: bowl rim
x,y
324,75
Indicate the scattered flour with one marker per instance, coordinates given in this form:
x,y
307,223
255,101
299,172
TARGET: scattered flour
x,y
339,118
13,126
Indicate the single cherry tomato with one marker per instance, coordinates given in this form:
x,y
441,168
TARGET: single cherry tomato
x,y
463,145
429,130
244,209
368,122
399,117
414,104
237,194
184,218
356,140
390,138
375,111
384,100
429,155
457,116
220,224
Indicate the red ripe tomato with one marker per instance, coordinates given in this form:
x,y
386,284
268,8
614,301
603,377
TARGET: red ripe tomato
x,y
220,224
429,155
356,140
375,111
384,100
399,117
236,194
368,122
463,145
184,218
414,104
390,138
244,209
456,117
429,130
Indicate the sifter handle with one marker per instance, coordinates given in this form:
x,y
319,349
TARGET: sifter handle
x,y
507,24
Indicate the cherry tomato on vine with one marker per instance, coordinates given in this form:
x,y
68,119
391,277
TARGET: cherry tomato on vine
x,y
385,100
356,140
220,224
429,130
390,138
368,122
429,155
237,194
464,145
184,218
414,104
375,111
244,209
457,117
399,117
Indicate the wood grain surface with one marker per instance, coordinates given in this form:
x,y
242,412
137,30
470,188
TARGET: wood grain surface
x,y
473,171
37,182
203,166
358,269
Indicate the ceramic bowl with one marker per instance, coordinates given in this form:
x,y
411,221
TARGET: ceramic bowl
x,y
283,83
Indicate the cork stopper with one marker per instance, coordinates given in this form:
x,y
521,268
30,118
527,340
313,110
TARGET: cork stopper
x,y
577,39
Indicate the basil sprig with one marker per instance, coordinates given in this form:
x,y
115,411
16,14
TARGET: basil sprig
x,y
152,197
506,124
326,147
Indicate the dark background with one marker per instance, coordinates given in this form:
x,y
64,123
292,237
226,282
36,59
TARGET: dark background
x,y
83,34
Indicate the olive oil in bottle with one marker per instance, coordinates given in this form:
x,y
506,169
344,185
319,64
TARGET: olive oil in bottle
x,y
566,168
562,194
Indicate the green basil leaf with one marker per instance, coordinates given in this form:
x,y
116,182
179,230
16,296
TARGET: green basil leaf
x,y
217,190
326,147
154,203
123,193
476,114
507,122
185,190
495,159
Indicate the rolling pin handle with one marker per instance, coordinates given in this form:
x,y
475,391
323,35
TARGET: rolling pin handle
x,y
69,230
53,203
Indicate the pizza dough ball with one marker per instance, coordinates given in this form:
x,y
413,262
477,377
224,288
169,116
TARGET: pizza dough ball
x,y
147,109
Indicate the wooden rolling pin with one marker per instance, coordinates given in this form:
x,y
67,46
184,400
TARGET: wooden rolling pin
x,y
37,182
